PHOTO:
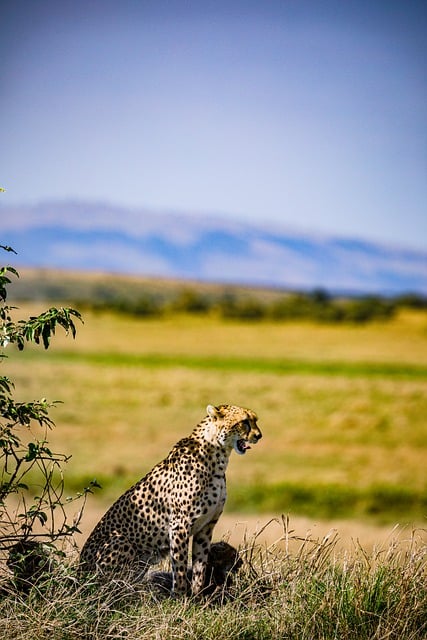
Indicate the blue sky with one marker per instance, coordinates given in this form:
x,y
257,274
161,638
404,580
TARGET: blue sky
x,y
308,113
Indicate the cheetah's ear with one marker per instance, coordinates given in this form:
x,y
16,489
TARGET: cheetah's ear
x,y
213,412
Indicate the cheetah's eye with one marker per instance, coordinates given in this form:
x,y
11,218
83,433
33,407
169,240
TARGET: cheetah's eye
x,y
246,425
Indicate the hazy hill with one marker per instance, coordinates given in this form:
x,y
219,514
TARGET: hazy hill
x,y
91,236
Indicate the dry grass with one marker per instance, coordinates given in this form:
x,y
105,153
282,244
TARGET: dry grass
x,y
301,588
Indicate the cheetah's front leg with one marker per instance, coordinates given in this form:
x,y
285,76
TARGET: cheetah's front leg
x,y
179,543
201,546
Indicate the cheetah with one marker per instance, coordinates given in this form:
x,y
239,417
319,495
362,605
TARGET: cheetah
x,y
181,497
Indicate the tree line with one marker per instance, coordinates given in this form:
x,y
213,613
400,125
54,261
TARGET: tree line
x,y
317,305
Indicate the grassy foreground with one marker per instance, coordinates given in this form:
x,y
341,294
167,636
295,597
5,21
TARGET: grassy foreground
x,y
312,593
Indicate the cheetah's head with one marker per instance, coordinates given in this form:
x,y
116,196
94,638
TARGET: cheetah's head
x,y
235,427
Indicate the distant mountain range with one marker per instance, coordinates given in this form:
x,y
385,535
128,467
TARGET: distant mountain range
x,y
93,236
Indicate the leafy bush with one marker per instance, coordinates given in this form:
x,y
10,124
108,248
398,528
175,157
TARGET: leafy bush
x,y
32,501
411,301
190,301
368,308
231,306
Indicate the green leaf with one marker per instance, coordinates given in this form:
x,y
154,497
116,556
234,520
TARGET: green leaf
x,y
33,450
42,517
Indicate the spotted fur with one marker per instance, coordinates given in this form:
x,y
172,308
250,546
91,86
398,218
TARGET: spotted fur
x,y
181,497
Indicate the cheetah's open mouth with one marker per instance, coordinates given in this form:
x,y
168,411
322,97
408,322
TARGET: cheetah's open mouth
x,y
241,446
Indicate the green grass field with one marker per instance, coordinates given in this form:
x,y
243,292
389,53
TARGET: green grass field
x,y
342,408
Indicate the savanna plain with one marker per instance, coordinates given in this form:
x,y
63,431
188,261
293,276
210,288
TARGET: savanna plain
x,y
328,509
